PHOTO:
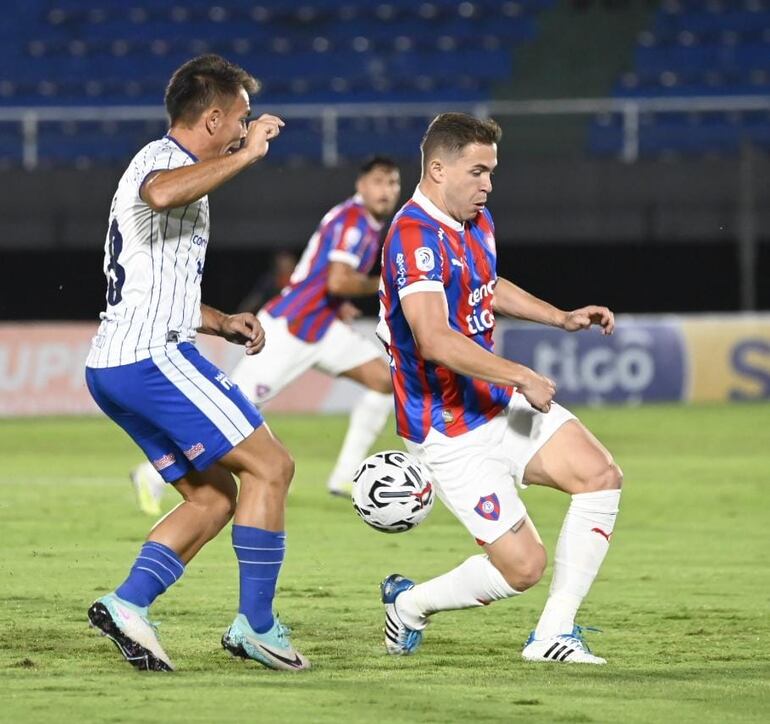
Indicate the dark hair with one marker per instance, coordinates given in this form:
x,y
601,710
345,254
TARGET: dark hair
x,y
454,131
198,83
373,162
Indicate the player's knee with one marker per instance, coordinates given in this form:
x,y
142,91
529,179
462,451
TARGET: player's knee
x,y
221,511
610,477
217,505
382,384
525,574
280,470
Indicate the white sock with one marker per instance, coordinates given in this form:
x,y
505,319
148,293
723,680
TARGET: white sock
x,y
475,582
583,543
366,422
157,485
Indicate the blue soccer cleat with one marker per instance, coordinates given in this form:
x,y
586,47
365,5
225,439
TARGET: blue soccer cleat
x,y
128,627
272,649
567,648
400,640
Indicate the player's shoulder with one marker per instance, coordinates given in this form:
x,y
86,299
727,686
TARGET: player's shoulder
x,y
412,217
162,152
346,212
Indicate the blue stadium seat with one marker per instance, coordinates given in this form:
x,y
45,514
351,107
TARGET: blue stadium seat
x,y
694,49
92,52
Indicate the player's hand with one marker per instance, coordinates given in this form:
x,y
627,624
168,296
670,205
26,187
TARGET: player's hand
x,y
347,312
539,391
259,133
585,317
244,328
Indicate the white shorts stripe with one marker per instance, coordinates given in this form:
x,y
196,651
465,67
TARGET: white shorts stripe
x,y
214,403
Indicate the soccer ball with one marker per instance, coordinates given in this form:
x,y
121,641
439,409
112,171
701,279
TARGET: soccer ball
x,y
391,493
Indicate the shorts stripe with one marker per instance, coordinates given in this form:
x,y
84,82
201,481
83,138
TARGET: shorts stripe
x,y
214,403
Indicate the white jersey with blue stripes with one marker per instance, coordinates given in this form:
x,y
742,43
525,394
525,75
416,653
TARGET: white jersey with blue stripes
x,y
153,262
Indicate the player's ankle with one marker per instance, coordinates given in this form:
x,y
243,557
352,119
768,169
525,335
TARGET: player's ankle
x,y
409,611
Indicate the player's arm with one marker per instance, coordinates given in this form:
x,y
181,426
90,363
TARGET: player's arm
x,y
345,281
242,328
427,315
184,185
512,301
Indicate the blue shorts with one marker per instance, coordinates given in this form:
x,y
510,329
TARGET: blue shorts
x,y
177,406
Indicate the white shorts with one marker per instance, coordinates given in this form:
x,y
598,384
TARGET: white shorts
x,y
285,357
477,474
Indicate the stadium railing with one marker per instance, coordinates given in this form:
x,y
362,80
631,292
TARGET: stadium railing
x,y
624,114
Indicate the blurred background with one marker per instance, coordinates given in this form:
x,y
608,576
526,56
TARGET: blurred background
x,y
633,168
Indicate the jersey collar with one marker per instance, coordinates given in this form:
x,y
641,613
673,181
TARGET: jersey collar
x,y
182,148
432,210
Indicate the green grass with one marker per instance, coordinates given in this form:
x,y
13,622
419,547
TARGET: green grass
x,y
682,599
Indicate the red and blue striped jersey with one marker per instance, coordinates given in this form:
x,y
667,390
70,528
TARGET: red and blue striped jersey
x,y
426,250
347,233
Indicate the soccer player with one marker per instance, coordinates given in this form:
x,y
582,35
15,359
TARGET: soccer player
x,y
145,373
305,324
481,425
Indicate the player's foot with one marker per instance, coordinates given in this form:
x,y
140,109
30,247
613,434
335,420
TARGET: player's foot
x,y
149,488
400,640
568,648
272,649
130,630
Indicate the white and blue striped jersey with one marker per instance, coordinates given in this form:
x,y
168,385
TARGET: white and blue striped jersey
x,y
153,262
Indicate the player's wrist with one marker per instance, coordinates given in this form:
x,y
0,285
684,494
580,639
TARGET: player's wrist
x,y
560,318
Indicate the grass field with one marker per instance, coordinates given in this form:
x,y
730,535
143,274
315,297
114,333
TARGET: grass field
x,y
682,599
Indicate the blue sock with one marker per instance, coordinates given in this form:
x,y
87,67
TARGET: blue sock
x,y
155,569
260,555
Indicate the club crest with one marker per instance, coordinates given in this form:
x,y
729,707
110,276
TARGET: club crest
x,y
488,507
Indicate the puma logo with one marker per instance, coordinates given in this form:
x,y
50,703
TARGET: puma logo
x,y
602,533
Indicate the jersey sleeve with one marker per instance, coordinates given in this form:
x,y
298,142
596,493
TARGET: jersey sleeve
x,y
153,159
416,259
349,238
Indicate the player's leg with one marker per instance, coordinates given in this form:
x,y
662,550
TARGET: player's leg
x,y
123,615
512,564
345,353
208,505
232,433
574,461
472,477
265,469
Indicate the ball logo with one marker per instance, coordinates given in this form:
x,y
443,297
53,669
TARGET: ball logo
x,y
488,507
423,259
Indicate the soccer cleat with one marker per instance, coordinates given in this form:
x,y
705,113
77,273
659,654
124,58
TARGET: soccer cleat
x,y
149,488
400,640
568,648
130,630
272,649
341,491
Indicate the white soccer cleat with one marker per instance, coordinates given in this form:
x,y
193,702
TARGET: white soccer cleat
x,y
149,487
130,630
400,640
568,648
340,490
